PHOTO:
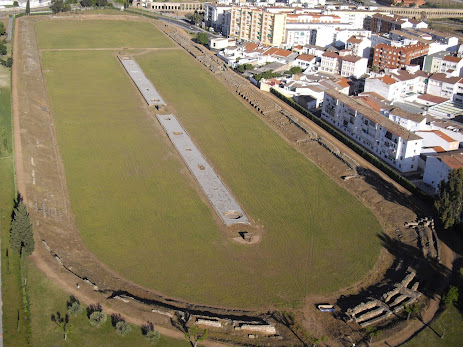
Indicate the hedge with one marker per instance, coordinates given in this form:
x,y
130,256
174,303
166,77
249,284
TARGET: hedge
x,y
354,146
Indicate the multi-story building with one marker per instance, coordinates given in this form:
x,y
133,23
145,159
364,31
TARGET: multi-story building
x,y
446,87
359,46
387,140
344,65
393,57
215,15
439,165
382,23
398,84
260,25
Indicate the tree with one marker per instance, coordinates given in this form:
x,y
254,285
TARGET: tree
x,y
97,318
28,8
151,335
295,70
9,63
73,306
448,203
3,50
63,323
195,335
243,67
2,29
411,309
202,38
15,3
58,6
451,296
122,328
21,236
86,3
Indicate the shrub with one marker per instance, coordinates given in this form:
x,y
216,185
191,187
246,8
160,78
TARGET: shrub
x,y
122,328
74,309
451,296
97,318
152,336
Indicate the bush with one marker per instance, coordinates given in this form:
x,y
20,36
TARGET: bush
x,y
202,38
122,328
97,318
152,336
451,296
74,308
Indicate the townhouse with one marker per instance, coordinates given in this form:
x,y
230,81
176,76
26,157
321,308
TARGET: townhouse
x,y
343,64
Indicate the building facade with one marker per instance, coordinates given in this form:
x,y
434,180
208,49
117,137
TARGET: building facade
x,y
258,25
387,140
396,57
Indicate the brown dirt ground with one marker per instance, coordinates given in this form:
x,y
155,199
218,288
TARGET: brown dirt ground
x,y
41,180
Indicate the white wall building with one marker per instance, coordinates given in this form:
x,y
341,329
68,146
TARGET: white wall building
x,y
359,46
384,138
214,15
344,65
439,165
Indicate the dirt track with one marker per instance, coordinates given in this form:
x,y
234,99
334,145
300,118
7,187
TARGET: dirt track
x,y
45,191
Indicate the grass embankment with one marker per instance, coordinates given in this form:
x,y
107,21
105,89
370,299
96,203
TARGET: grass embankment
x,y
138,208
47,298
11,282
450,324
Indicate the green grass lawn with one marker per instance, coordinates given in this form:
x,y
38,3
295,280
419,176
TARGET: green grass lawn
x,y
10,265
47,298
99,34
138,209
451,321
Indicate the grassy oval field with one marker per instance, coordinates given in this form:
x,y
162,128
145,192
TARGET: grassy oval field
x,y
139,210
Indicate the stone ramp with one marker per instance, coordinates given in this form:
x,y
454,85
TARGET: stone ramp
x,y
224,203
142,82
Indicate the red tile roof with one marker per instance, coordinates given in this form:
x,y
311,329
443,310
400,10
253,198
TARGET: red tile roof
x,y
306,57
388,79
432,98
353,39
452,59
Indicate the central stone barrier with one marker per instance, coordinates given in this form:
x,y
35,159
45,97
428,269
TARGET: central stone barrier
x,y
224,203
143,84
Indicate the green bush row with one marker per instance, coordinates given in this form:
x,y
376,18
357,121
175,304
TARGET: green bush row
x,y
354,146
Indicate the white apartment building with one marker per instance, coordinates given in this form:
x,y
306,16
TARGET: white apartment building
x,y
396,85
315,33
344,65
450,65
439,165
306,62
359,46
446,87
387,140
215,16
342,35
411,121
